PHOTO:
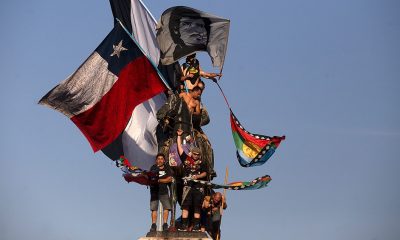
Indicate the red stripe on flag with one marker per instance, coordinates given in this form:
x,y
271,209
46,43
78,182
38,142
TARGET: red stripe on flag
x,y
247,137
102,123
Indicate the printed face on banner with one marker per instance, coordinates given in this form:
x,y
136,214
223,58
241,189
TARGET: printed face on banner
x,y
192,31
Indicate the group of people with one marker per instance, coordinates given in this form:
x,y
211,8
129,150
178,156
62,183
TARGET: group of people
x,y
185,154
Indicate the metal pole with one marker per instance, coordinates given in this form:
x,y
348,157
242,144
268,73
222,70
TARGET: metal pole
x,y
221,209
160,217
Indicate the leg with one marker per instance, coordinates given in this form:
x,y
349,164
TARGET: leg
x,y
185,211
153,216
166,203
153,209
165,215
197,202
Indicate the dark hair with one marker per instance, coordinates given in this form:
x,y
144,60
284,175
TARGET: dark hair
x,y
160,155
191,56
196,88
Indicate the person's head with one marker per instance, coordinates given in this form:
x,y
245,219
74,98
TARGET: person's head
x,y
217,196
196,92
188,28
190,58
160,159
196,153
201,85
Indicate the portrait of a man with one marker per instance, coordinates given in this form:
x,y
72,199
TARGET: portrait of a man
x,y
189,31
182,31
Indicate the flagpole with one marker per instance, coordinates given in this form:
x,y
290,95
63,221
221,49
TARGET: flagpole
x,y
147,56
148,11
221,210
226,100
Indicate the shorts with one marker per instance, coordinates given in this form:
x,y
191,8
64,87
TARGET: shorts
x,y
194,199
165,201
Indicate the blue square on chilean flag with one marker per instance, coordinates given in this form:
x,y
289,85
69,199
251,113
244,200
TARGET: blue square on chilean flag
x,y
118,49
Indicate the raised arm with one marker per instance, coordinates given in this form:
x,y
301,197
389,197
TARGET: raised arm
x,y
179,132
209,75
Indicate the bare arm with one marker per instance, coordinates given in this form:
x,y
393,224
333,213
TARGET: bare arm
x,y
209,75
224,205
179,132
197,110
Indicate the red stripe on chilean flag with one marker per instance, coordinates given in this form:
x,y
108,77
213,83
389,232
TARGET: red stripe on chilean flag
x,y
137,82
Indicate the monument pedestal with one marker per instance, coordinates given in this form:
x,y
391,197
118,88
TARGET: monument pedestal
x,y
166,235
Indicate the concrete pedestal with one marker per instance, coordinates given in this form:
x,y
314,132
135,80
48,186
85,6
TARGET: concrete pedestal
x,y
176,236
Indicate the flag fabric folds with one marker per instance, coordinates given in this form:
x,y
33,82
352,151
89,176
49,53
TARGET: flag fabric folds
x,y
102,94
252,149
182,31
138,20
257,183
138,141
135,174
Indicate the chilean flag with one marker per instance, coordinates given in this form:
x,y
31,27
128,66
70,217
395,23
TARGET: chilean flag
x,y
113,98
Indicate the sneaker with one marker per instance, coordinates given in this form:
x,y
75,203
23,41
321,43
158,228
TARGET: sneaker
x,y
165,227
153,227
182,227
196,228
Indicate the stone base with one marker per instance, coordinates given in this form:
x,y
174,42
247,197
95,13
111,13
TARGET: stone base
x,y
167,235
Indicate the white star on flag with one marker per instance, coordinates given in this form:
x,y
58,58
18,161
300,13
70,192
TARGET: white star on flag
x,y
118,49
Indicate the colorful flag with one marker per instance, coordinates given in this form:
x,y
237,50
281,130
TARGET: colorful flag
x,y
135,174
257,183
102,94
143,177
252,149
184,30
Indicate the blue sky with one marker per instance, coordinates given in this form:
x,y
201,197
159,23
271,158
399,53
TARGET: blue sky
x,y
324,73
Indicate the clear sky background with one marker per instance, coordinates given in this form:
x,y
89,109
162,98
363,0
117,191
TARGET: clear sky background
x,y
324,73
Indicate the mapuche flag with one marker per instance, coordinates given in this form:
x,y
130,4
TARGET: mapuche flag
x,y
260,182
252,149
102,94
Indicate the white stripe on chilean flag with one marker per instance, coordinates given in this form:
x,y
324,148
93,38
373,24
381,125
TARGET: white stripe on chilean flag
x,y
139,142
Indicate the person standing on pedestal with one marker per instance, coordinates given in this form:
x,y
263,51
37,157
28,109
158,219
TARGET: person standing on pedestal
x,y
159,191
194,168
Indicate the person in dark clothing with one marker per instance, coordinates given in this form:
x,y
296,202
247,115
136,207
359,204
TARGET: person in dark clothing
x,y
159,191
174,76
193,168
192,71
212,211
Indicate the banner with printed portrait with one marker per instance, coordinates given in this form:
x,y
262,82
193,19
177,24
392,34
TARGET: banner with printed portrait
x,y
182,31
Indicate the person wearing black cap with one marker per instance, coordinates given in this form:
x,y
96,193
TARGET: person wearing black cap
x,y
194,168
